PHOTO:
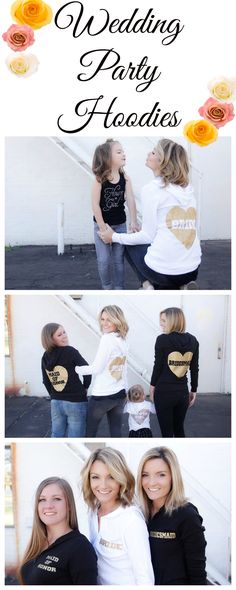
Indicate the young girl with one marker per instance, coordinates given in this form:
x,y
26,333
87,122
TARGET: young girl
x,y
57,553
176,353
109,368
166,251
139,409
68,394
175,526
110,190
118,531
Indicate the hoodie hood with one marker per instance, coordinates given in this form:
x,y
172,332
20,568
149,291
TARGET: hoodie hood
x,y
181,341
184,196
52,358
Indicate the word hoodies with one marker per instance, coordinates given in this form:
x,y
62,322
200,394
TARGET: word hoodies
x,y
169,225
122,547
59,377
175,354
109,366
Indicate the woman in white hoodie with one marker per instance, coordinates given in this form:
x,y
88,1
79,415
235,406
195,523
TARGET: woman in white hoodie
x,y
109,369
166,251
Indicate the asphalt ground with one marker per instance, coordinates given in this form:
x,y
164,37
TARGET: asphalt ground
x,y
39,267
29,417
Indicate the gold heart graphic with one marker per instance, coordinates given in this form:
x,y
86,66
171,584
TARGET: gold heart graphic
x,y
116,367
58,377
179,363
182,224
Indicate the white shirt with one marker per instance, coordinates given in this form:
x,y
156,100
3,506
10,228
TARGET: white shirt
x,y
109,367
139,414
169,225
122,547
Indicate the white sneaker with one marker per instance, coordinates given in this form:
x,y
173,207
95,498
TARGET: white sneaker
x,y
189,286
147,286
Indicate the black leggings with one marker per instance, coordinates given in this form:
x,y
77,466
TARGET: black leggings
x,y
98,408
171,410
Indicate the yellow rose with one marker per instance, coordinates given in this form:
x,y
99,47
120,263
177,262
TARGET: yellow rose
x,y
201,132
23,65
34,13
223,89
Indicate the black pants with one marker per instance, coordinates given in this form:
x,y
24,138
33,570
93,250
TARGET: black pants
x,y
171,410
98,408
135,256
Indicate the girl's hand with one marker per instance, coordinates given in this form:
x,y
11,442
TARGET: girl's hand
x,y
106,235
134,227
192,398
151,392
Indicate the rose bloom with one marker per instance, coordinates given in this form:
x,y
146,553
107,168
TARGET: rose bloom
x,y
201,132
216,112
223,89
23,65
19,37
34,13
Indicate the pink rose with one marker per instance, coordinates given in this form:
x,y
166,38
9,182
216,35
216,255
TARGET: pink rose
x,y
218,113
19,37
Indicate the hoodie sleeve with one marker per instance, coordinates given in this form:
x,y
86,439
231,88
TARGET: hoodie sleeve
x,y
46,380
79,361
158,361
194,367
191,533
100,361
149,224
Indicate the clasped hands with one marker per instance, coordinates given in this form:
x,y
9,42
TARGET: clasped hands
x,y
106,234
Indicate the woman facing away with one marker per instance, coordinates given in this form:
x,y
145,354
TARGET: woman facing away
x,y
111,189
176,353
57,553
176,532
68,394
118,531
166,251
109,369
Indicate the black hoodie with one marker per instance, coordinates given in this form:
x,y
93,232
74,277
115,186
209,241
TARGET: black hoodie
x,y
177,545
70,561
175,354
59,376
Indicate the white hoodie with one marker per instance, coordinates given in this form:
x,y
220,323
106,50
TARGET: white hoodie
x,y
169,225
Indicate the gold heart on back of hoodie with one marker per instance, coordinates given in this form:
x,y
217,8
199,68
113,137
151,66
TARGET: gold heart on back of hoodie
x,y
58,377
179,363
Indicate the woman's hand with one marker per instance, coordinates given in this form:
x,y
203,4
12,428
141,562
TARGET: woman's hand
x,y
134,227
151,392
192,398
106,235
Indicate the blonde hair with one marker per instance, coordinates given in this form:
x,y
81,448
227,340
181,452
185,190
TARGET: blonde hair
x,y
38,537
116,316
175,319
102,160
176,497
47,334
119,470
135,393
174,166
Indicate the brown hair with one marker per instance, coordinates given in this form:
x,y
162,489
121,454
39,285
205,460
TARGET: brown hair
x,y
176,497
173,163
175,319
135,393
102,160
47,334
38,537
119,470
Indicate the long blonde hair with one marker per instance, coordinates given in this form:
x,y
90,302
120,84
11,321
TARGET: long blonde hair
x,y
38,537
119,470
116,316
176,497
173,163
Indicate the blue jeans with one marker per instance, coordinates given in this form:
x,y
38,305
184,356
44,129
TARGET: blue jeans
x,y
68,418
110,257
135,256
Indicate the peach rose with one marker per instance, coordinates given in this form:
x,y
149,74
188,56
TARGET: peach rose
x,y
23,65
19,37
201,132
223,89
34,13
216,112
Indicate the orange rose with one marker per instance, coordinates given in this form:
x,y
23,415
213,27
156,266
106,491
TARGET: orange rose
x,y
34,13
201,132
